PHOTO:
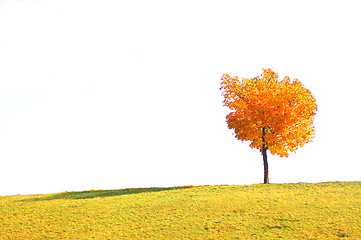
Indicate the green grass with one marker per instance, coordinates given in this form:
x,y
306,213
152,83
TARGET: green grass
x,y
275,211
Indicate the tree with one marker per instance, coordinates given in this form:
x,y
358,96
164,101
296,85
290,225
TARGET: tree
x,y
273,115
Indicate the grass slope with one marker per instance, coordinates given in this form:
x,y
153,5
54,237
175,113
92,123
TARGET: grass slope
x,y
276,211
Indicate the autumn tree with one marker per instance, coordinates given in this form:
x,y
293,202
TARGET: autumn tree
x,y
275,115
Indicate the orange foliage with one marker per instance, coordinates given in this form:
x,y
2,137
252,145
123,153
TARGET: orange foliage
x,y
272,114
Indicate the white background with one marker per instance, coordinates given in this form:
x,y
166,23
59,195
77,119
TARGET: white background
x,y
118,94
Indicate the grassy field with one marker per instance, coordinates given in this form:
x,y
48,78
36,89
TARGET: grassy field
x,y
275,211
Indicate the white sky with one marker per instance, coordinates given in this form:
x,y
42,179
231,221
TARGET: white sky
x,y
117,94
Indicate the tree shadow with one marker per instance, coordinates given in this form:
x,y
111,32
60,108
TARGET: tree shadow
x,y
99,193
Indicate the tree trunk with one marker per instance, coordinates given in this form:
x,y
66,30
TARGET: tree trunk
x,y
264,154
265,165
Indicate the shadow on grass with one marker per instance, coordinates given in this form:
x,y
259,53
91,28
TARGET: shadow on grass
x,y
99,193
